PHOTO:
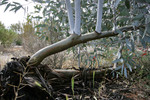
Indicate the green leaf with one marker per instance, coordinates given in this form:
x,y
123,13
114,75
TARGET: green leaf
x,y
38,84
119,31
117,68
122,69
143,43
138,17
127,3
148,28
128,44
16,3
133,46
141,1
4,2
17,8
40,25
125,72
147,39
116,3
136,23
117,60
8,5
38,17
119,55
67,97
72,85
93,78
129,66
99,49
12,9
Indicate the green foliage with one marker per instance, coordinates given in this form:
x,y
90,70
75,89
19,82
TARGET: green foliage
x,y
93,78
118,13
15,6
17,28
18,41
142,73
72,85
6,36
67,97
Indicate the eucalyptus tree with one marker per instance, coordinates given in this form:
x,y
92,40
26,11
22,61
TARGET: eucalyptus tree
x,y
121,21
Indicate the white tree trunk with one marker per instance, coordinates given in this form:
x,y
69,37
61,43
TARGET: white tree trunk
x,y
77,17
99,15
70,16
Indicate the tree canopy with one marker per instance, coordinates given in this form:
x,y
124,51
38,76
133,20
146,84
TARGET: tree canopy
x,y
7,36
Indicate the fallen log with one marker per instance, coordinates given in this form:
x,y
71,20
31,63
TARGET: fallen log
x,y
65,73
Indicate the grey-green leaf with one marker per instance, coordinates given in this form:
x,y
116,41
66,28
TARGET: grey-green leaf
x,y
119,31
122,69
127,3
147,39
129,67
8,5
115,61
125,72
117,68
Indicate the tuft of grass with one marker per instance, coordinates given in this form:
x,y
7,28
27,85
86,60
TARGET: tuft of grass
x,y
72,85
93,78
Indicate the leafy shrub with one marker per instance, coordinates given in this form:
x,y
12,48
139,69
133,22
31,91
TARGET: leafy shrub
x,y
6,36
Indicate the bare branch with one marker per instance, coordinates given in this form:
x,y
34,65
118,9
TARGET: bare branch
x,y
77,17
70,16
71,41
99,15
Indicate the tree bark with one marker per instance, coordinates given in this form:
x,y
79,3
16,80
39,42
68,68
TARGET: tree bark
x,y
77,25
99,15
71,41
68,74
70,15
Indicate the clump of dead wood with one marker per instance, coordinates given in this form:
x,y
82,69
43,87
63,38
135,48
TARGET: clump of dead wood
x,y
22,82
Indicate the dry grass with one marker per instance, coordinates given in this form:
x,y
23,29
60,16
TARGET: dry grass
x,y
7,53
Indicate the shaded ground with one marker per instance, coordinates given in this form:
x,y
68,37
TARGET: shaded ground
x,y
42,83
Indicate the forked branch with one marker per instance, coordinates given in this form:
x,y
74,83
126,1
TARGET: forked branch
x,y
71,41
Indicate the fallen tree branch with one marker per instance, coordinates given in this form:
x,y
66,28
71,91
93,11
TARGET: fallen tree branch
x,y
71,41
68,74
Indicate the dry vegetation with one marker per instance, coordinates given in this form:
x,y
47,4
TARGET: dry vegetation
x,y
7,53
136,87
